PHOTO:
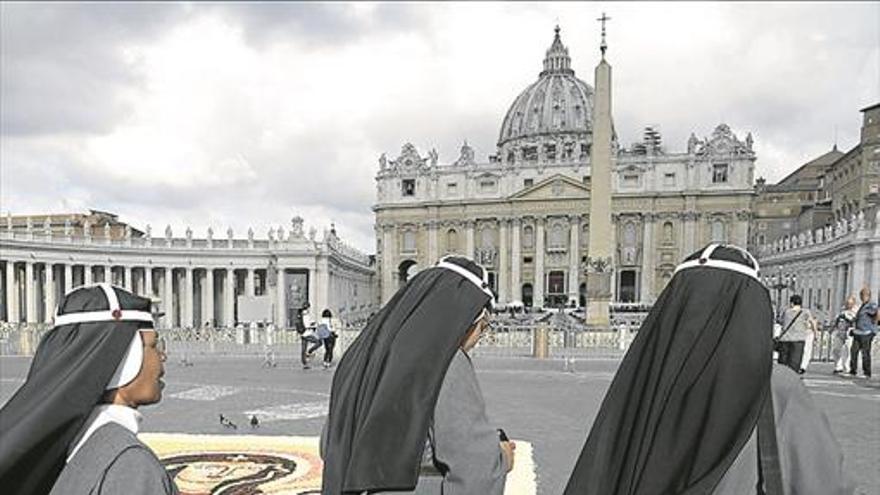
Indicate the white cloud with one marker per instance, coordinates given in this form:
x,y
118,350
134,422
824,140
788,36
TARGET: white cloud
x,y
245,114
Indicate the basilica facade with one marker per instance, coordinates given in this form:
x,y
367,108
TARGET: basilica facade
x,y
523,211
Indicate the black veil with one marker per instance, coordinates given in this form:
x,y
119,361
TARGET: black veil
x,y
689,391
386,384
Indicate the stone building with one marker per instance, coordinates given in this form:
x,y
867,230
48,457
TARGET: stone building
x,y
822,238
198,281
524,211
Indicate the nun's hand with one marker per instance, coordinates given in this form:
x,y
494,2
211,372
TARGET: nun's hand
x,y
508,448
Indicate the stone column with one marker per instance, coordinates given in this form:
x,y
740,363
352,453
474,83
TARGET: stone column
x,y
648,254
858,270
129,281
30,300
88,275
689,220
68,277
168,297
249,283
503,263
433,248
313,291
874,281
469,238
229,298
599,284
538,300
574,259
49,291
188,297
208,296
12,315
389,270
148,281
322,287
516,262
281,299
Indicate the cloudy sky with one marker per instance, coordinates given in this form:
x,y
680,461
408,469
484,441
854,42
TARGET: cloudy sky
x,y
247,114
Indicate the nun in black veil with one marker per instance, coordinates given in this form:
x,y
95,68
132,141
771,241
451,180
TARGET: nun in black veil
x,y
405,400
697,407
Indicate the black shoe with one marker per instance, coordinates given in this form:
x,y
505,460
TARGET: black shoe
x,y
852,373
801,371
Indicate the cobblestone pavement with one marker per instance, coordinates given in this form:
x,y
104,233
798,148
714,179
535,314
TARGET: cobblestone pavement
x,y
534,400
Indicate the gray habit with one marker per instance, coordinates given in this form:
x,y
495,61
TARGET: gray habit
x,y
809,456
460,439
113,461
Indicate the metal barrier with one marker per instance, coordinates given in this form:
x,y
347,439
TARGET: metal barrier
x,y
543,337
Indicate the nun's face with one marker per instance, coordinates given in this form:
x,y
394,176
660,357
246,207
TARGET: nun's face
x,y
146,388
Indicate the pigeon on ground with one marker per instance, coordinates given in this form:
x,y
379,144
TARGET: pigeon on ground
x,y
255,423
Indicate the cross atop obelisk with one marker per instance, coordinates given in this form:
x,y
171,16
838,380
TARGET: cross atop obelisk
x,y
603,46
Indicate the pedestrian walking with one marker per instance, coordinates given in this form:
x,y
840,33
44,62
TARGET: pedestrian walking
x,y
797,326
305,327
841,339
327,336
863,334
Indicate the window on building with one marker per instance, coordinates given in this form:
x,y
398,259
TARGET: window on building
x,y
511,157
718,234
585,150
527,260
528,237
630,180
452,188
719,173
669,179
452,241
550,151
557,238
409,241
528,182
668,235
567,151
487,237
408,187
487,185
586,180
530,153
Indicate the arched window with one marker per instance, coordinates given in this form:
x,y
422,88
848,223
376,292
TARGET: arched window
x,y
718,234
668,235
451,241
528,238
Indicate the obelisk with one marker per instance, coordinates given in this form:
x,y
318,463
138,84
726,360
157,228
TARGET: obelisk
x,y
600,271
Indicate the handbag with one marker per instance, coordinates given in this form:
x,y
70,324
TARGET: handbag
x,y
778,346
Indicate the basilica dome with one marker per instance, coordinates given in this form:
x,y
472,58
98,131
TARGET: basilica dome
x,y
558,103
